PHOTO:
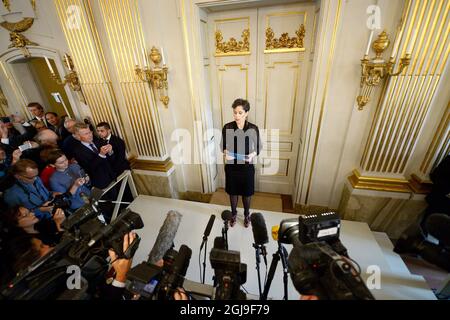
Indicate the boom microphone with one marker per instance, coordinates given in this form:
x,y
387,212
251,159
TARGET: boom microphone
x,y
259,228
166,235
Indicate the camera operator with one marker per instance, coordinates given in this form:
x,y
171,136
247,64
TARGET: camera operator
x,y
28,190
21,220
20,252
436,222
68,179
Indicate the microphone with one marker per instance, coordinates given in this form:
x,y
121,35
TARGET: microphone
x,y
259,232
259,228
226,215
166,235
208,230
125,222
209,226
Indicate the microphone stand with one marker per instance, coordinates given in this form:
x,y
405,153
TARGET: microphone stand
x,y
204,243
281,254
225,233
258,260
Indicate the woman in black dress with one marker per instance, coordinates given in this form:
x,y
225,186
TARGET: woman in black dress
x,y
240,144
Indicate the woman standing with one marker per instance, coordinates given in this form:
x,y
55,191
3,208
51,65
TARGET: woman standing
x,y
240,144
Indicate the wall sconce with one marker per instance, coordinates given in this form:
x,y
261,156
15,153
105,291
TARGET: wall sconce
x,y
156,76
376,69
71,78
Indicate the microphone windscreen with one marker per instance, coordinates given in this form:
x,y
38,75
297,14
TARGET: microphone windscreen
x,y
259,228
166,236
209,225
226,215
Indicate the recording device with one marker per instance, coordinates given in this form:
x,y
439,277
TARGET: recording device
x,y
61,201
47,277
260,236
151,282
5,119
229,274
166,236
226,217
27,145
319,264
205,244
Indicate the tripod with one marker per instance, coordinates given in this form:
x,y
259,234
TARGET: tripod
x,y
281,254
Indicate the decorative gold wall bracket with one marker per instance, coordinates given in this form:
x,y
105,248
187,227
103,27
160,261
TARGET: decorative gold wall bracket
x,y
71,78
376,69
285,43
156,76
232,47
18,40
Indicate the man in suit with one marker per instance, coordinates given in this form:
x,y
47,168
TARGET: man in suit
x,y
118,158
69,143
38,112
93,157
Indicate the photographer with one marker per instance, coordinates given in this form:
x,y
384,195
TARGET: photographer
x,y
14,133
21,220
28,190
68,179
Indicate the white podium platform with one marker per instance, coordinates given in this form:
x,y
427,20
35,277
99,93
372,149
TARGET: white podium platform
x,y
364,246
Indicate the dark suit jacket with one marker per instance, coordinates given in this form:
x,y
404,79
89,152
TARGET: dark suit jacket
x,y
99,169
68,146
118,159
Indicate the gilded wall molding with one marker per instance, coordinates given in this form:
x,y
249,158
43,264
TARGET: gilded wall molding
x,y
91,65
406,100
420,186
140,103
379,184
232,47
285,43
440,145
151,165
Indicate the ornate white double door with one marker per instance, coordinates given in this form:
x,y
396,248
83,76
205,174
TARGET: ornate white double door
x,y
262,55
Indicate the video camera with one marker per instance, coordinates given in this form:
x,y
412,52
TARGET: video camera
x,y
229,274
85,243
319,263
151,282
61,201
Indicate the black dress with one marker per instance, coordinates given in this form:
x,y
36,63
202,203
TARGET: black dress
x,y
239,173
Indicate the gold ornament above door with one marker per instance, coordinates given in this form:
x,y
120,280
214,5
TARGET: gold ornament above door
x,y
18,40
285,43
232,47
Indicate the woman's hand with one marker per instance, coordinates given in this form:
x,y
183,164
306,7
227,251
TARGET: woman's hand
x,y
78,183
251,156
228,156
59,217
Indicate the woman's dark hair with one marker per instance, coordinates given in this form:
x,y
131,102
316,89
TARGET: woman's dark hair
x,y
20,252
11,216
243,103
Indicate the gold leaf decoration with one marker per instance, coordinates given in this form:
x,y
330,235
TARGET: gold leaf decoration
x,y
21,26
285,42
233,46
7,5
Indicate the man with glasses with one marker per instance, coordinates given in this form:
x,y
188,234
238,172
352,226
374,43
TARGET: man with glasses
x,y
28,190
